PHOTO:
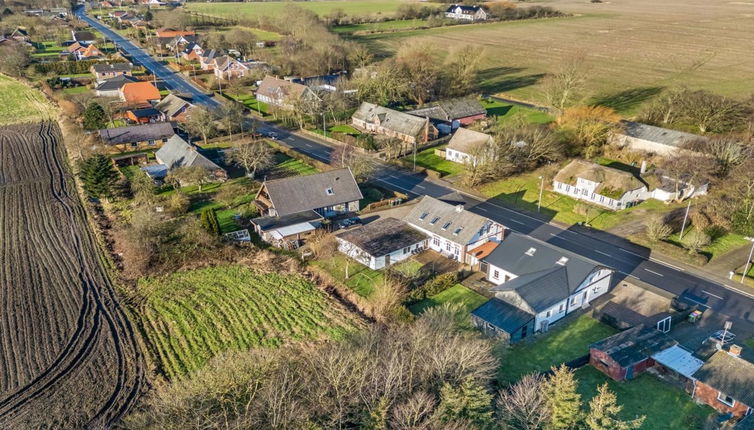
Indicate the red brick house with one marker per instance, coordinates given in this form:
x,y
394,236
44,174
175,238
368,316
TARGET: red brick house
x,y
629,353
726,382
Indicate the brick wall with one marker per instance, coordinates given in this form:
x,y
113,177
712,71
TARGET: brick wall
x,y
708,395
602,362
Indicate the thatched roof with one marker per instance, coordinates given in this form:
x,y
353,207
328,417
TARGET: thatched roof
x,y
612,182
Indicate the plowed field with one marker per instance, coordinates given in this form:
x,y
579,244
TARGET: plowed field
x,y
68,355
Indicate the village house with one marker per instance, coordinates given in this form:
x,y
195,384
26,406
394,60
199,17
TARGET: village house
x,y
111,87
136,137
104,71
174,107
454,231
144,115
603,186
452,113
81,52
139,93
176,153
179,43
381,243
380,120
207,59
725,383
666,189
468,146
536,284
192,52
628,354
171,32
464,12
20,35
228,68
83,37
648,138
295,206
282,93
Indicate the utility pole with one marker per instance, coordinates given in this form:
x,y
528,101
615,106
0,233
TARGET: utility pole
x,y
746,266
541,189
414,155
324,127
685,217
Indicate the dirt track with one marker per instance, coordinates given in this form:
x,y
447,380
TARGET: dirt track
x,y
68,354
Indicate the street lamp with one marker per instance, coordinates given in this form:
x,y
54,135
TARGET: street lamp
x,y
541,189
324,127
746,266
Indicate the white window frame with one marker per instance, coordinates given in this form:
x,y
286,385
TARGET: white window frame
x,y
722,398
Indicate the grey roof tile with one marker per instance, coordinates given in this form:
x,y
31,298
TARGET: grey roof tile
x,y
431,209
383,237
303,193
136,133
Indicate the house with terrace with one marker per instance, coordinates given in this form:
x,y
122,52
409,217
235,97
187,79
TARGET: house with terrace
x,y
176,153
136,137
297,205
600,185
535,285
381,243
453,231
452,112
390,123
468,146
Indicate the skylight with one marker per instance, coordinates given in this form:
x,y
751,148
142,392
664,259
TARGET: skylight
x,y
434,220
329,191
563,261
458,230
424,215
531,251
446,225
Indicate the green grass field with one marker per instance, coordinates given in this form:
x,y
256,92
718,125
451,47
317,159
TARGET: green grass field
x,y
564,342
429,160
249,100
291,166
506,112
20,103
665,406
404,24
189,317
459,295
274,8
361,279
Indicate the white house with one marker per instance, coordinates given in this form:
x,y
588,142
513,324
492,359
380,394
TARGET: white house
x,y
467,146
538,284
453,230
648,138
468,13
382,243
600,185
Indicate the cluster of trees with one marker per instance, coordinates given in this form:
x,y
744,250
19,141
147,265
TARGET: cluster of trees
x,y
429,374
15,59
698,111
243,41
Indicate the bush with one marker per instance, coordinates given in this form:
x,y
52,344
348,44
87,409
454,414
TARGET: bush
x,y
208,220
178,204
373,194
657,229
436,285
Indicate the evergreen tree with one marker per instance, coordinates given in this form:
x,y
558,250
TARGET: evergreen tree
x,y
604,410
563,399
470,402
148,15
99,176
94,116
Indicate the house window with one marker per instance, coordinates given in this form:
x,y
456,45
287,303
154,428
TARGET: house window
x,y
434,220
568,188
726,399
150,142
548,314
562,307
559,185
436,241
329,192
447,246
406,250
446,225
458,230
523,331
424,215
134,144
496,274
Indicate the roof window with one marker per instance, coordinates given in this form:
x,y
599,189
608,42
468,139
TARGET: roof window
x,y
563,261
434,220
446,225
458,230
329,192
531,252
424,215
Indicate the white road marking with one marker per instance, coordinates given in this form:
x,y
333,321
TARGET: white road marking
x,y
666,264
652,271
713,295
603,253
397,186
481,208
420,186
630,252
517,222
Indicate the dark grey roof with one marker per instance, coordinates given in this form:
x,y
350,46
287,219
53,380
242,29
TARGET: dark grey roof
x,y
660,135
145,112
634,345
303,193
383,237
84,36
114,84
114,67
539,290
274,222
156,171
177,153
745,424
390,119
430,209
172,104
137,133
464,8
502,315
512,255
733,376
451,109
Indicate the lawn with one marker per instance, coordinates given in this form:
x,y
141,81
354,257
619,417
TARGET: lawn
x,y
361,279
249,100
189,317
408,268
456,295
289,166
20,103
226,216
566,341
264,34
75,90
429,160
665,406
275,8
506,112
345,129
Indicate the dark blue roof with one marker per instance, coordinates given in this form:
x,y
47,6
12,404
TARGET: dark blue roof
x,y
146,112
502,315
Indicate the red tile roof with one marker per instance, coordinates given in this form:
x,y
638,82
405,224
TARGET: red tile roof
x,y
139,92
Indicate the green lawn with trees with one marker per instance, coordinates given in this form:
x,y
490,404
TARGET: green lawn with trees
x,y
359,278
189,317
429,160
466,298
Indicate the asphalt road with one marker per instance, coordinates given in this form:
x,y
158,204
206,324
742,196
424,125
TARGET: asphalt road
x,y
171,79
631,262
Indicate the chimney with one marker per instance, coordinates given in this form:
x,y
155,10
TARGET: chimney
x,y
643,166
734,350
459,208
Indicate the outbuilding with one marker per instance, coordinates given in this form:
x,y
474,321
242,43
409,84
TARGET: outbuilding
x,y
629,353
382,243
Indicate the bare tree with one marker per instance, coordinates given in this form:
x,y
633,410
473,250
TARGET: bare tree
x,y
201,122
418,61
657,229
461,71
231,116
563,87
361,165
252,156
727,150
524,405
414,413
194,175
15,59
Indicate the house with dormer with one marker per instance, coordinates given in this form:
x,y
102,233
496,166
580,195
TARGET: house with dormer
x,y
600,185
465,12
535,285
391,123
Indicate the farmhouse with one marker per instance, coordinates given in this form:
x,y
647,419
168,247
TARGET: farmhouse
x,y
174,107
648,138
538,279
107,71
468,13
459,111
627,354
725,382
468,146
391,123
136,137
177,153
282,93
83,37
81,52
328,193
111,87
139,93
453,231
144,115
603,186
382,243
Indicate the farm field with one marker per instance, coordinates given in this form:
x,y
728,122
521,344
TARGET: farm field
x,y
21,104
273,8
633,49
62,330
189,317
